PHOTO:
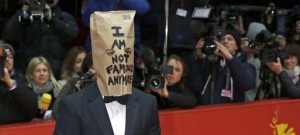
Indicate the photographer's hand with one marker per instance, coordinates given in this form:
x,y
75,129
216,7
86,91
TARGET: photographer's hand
x,y
275,66
78,84
199,53
24,16
48,17
199,49
164,91
222,51
239,25
7,80
269,19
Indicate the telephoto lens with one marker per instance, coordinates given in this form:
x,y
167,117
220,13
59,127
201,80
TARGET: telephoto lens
x,y
271,12
252,44
210,46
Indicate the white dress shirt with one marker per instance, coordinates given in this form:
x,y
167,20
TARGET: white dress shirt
x,y
117,116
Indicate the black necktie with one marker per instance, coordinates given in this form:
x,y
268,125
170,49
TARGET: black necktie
x,y
121,99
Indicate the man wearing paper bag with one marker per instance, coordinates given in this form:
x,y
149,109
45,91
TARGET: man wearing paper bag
x,y
110,106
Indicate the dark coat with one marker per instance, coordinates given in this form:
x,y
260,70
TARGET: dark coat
x,y
289,89
18,105
178,98
84,113
243,75
41,39
38,113
68,89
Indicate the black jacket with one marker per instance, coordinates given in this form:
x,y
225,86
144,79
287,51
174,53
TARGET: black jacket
x,y
84,113
18,105
41,39
243,75
289,89
178,98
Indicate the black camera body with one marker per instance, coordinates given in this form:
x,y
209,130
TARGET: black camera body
x,y
272,12
232,17
36,11
210,46
269,54
87,79
156,80
3,56
252,44
269,51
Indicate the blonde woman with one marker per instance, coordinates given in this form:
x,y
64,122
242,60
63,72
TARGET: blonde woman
x,y
41,80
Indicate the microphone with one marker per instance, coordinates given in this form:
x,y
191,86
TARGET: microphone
x,y
45,101
44,104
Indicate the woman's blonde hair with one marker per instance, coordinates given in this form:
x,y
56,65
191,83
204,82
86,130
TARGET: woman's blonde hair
x,y
32,65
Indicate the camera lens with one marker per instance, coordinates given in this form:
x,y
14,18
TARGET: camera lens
x,y
232,17
155,82
272,12
209,46
252,44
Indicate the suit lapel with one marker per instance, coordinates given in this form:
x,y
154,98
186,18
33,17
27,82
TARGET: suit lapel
x,y
97,107
132,109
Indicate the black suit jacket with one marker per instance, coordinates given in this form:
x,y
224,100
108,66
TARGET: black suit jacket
x,y
84,113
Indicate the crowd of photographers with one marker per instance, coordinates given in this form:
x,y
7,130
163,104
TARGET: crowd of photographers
x,y
228,60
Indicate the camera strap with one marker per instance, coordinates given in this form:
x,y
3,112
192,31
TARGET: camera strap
x,y
229,81
206,83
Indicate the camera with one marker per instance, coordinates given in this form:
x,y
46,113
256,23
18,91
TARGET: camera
x,y
269,51
87,78
232,17
2,60
155,79
36,11
272,12
252,44
210,46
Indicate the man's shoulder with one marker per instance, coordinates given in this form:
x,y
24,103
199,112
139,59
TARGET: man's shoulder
x,y
142,95
81,95
74,98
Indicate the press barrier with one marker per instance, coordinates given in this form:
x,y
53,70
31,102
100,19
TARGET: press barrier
x,y
270,117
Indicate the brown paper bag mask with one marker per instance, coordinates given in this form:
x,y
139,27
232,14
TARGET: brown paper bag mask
x,y
112,36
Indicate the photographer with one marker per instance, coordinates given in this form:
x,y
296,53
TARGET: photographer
x,y
16,104
251,51
289,73
294,31
226,78
39,28
230,19
9,64
270,17
174,93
